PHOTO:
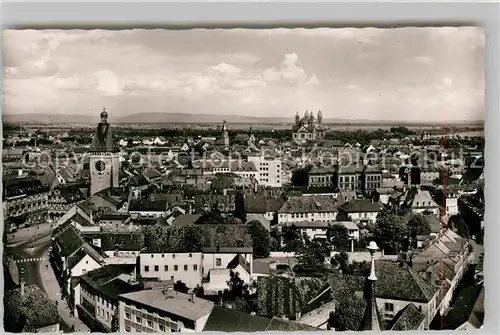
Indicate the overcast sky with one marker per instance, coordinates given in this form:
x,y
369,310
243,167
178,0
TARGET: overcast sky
x,y
424,74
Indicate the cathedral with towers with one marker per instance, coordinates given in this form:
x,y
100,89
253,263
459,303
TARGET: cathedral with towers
x,y
308,128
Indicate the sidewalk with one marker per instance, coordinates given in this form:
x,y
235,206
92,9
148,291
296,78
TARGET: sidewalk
x,y
51,287
26,234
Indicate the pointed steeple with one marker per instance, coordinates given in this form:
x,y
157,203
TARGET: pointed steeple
x,y
371,320
297,118
320,117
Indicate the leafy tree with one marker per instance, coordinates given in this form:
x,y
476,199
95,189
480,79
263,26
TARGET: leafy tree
x,y
457,223
260,238
236,287
193,238
300,177
239,207
340,260
390,232
349,312
418,225
312,258
214,217
180,286
338,236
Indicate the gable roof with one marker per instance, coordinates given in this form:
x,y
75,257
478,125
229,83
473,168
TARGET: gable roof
x,y
228,320
67,240
239,260
409,318
360,206
309,204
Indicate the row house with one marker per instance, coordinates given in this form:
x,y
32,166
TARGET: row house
x,y
154,208
63,198
99,295
361,210
321,208
263,205
72,257
116,247
322,176
25,198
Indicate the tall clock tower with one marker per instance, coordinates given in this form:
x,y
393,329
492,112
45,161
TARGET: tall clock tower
x,y
104,158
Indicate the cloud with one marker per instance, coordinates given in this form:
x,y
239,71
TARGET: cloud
x,y
313,81
108,83
226,69
288,72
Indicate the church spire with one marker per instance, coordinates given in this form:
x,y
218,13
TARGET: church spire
x,y
320,117
371,320
297,118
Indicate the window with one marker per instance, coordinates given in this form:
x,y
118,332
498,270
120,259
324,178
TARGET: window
x,y
195,267
190,255
163,255
152,255
127,316
157,268
150,324
176,267
389,307
185,267
146,268
173,255
107,315
138,319
127,329
166,267
162,328
218,262
84,271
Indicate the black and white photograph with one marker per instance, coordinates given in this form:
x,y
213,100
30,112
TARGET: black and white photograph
x,y
244,179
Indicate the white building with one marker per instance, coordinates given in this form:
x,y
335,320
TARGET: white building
x,y
322,208
270,170
190,268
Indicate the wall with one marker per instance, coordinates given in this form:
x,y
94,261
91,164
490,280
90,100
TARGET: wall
x,y
295,217
191,277
85,265
370,216
210,261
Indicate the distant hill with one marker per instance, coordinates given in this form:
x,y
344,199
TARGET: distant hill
x,y
164,118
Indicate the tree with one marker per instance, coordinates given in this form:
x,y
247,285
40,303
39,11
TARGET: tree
x,y
349,312
180,286
418,225
457,223
338,236
312,258
340,260
291,238
260,238
390,232
300,177
239,207
236,287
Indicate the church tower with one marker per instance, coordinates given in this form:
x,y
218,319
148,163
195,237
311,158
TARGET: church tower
x,y
297,118
320,118
104,158
225,136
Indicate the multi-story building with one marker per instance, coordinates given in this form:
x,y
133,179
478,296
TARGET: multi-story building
x,y
371,178
269,170
190,267
162,310
26,199
361,210
99,291
321,208
62,198
322,176
350,177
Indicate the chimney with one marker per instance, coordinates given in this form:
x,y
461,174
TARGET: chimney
x,y
22,287
193,297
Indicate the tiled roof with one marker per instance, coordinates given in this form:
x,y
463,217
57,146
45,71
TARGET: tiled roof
x,y
400,282
121,240
171,302
434,223
107,280
38,309
360,206
239,260
186,219
147,205
151,173
68,241
262,204
228,320
309,204
421,199
282,325
409,318
138,181
322,170
22,186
